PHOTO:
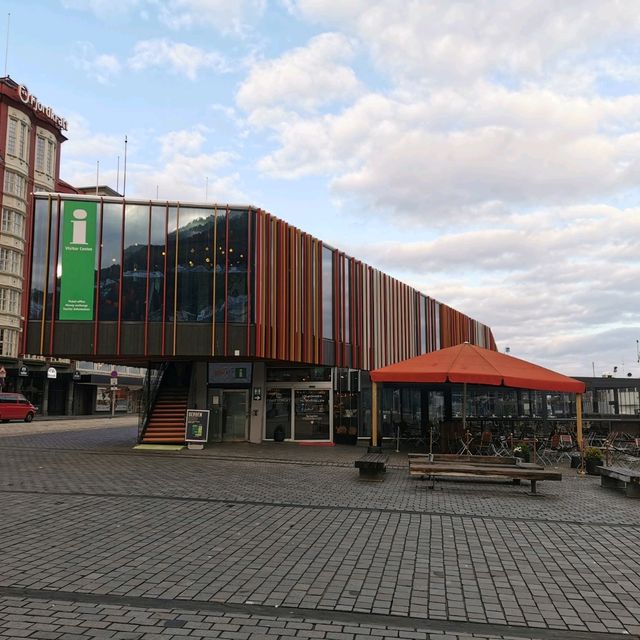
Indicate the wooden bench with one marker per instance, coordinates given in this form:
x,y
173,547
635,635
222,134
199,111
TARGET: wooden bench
x,y
467,459
372,465
621,478
517,472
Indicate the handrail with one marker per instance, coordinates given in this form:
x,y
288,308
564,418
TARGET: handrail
x,y
152,382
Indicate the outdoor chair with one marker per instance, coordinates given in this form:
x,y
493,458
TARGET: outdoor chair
x,y
545,455
486,447
466,441
503,448
565,446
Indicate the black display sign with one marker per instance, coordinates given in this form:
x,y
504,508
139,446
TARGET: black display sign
x,y
197,425
23,371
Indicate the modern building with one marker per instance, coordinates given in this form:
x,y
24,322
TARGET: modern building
x,y
231,309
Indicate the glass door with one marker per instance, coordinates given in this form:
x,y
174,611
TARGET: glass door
x,y
312,415
278,418
235,413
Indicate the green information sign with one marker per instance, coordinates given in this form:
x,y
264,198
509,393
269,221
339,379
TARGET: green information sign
x,y
78,260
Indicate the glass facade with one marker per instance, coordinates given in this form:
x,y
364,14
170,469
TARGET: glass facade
x,y
164,265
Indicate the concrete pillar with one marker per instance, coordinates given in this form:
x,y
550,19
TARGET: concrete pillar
x,y
45,398
70,389
257,411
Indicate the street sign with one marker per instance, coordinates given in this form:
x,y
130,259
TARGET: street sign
x,y
197,426
23,371
114,374
114,382
52,373
77,375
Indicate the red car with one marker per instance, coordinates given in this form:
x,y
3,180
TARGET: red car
x,y
14,406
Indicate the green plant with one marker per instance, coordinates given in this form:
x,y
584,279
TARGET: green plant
x,y
593,453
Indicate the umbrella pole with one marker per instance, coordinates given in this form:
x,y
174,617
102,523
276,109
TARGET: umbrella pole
x,y
374,414
464,408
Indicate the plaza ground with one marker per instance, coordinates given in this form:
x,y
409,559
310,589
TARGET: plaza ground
x,y
279,540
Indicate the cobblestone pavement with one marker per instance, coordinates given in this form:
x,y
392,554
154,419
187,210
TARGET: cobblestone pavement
x,y
99,540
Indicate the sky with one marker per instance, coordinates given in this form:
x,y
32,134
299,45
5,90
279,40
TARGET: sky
x,y
485,152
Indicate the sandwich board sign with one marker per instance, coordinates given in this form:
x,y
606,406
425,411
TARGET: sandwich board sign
x,y
197,426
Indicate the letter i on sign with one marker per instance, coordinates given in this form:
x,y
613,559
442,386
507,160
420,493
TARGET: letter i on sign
x,y
79,224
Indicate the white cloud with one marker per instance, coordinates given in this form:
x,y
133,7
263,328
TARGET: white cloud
x,y
184,142
85,143
222,15
303,78
105,8
179,57
557,286
100,67
456,40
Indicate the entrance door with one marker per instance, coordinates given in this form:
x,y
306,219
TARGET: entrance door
x,y
235,413
278,420
312,416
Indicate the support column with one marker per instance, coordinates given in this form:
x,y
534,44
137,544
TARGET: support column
x,y
45,398
70,394
374,414
579,420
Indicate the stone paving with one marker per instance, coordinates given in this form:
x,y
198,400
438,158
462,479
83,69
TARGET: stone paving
x,y
241,541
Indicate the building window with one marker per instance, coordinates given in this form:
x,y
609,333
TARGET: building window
x,y
9,300
8,343
40,145
10,261
13,223
24,137
17,136
50,157
12,136
14,184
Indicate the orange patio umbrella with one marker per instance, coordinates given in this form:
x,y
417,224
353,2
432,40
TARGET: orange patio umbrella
x,y
469,364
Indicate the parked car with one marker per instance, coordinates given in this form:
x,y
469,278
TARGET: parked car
x,y
14,406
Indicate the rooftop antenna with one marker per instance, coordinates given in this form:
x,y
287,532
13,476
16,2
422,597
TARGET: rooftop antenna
x,y
118,175
157,192
124,178
97,175
206,189
6,51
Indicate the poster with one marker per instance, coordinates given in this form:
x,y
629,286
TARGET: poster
x,y
197,425
78,260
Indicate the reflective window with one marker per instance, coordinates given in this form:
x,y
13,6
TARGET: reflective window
x,y
156,275
237,266
172,225
195,265
55,269
110,262
220,264
134,274
327,293
39,250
